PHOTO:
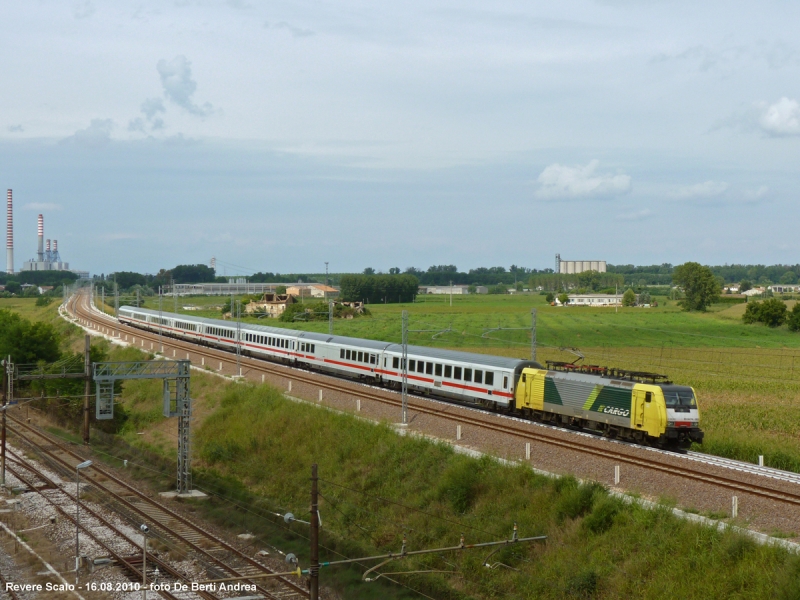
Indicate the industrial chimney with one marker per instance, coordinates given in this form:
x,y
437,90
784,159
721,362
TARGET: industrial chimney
x,y
41,239
47,251
10,235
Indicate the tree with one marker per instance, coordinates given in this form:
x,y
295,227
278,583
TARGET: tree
x,y
788,278
27,342
369,271
550,297
700,287
794,318
563,298
394,271
281,289
752,313
744,286
629,298
473,289
13,287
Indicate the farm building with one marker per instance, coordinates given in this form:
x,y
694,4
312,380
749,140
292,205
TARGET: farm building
x,y
595,299
452,289
312,290
271,304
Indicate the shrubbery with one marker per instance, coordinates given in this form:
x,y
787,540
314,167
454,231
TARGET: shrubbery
x,y
770,312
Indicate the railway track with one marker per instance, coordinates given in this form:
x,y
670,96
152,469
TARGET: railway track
x,y
733,476
217,557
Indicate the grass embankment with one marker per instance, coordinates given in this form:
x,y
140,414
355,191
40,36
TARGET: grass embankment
x,y
256,448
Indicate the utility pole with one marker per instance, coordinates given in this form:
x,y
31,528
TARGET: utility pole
x,y
160,319
116,298
404,367
138,298
330,316
87,386
174,298
326,273
313,569
451,293
103,297
533,334
238,337
6,364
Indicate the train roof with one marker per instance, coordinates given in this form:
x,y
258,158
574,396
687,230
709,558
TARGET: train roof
x,y
490,360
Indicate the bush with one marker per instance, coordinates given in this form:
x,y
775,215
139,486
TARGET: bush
x,y
550,297
771,312
629,298
793,318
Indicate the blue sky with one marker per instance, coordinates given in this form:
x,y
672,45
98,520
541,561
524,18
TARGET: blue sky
x,y
277,136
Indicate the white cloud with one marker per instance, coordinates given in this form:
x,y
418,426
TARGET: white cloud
x,y
757,193
98,133
83,10
638,215
781,118
297,32
15,128
41,206
707,189
115,237
560,181
176,77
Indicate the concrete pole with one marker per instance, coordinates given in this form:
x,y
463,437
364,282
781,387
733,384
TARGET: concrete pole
x,y
87,386
313,569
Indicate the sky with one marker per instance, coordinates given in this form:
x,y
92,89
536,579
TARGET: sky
x,y
278,136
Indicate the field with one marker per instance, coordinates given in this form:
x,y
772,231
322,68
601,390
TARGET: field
x,y
747,376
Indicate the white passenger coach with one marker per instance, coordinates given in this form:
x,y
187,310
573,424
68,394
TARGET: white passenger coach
x,y
464,376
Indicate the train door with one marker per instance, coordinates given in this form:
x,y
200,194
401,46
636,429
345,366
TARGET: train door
x,y
639,400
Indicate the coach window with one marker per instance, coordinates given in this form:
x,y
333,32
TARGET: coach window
x,y
448,371
341,352
467,374
313,348
489,378
429,369
360,357
420,366
505,382
438,370
347,354
456,372
478,376
395,362
373,359
412,365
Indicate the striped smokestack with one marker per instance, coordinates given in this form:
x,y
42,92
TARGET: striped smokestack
x,y
48,245
41,238
10,235
55,245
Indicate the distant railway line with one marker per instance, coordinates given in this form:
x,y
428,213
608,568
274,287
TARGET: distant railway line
x,y
772,486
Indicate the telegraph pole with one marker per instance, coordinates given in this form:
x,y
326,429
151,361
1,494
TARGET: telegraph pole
x,y
160,318
87,386
313,569
116,298
330,316
6,364
533,334
404,367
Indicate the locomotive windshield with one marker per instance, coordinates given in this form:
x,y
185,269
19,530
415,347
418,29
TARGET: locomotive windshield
x,y
679,397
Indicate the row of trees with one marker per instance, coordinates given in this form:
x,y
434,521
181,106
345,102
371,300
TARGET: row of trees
x,y
376,289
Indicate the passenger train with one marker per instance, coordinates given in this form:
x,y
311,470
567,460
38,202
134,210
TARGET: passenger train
x,y
636,406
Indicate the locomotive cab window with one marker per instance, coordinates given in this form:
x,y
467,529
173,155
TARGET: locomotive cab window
x,y
648,397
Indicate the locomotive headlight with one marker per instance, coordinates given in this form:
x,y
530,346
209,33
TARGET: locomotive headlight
x,y
670,423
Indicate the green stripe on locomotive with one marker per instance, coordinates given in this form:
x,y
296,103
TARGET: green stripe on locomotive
x,y
611,401
551,395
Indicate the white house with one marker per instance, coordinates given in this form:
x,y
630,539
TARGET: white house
x,y
595,299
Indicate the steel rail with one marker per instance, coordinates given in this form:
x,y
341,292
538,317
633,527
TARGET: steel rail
x,y
120,560
382,396
95,472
